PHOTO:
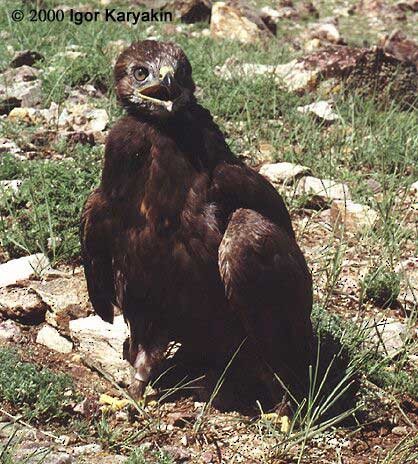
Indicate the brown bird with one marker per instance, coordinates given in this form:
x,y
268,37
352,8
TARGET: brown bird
x,y
192,245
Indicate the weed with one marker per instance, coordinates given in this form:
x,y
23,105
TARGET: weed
x,y
382,286
38,393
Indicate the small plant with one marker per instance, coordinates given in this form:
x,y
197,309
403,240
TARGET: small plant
x,y
382,286
38,393
139,456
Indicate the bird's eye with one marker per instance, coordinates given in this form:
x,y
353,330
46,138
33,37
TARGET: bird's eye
x,y
141,73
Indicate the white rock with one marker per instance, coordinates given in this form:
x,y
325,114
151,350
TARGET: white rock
x,y
353,217
228,22
231,70
91,448
391,336
9,331
321,109
322,190
327,31
292,76
22,268
67,298
101,344
295,78
50,337
10,186
283,172
83,118
7,146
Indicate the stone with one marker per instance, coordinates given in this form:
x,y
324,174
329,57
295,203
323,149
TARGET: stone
x,y
360,69
295,77
23,268
83,118
47,116
400,430
19,87
401,47
327,32
177,453
391,336
322,191
408,270
9,331
101,345
49,336
290,76
67,298
22,304
234,20
10,187
352,217
25,57
321,109
91,448
283,172
414,188
8,146
192,11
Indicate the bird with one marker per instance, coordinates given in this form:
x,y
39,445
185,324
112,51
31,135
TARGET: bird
x,y
192,245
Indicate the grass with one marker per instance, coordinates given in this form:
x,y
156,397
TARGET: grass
x,y
38,394
370,141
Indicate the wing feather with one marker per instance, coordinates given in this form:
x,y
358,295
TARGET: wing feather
x,y
95,238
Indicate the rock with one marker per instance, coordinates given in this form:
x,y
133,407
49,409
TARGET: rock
x,y
401,47
322,191
408,270
322,109
414,188
22,304
283,172
295,77
9,331
411,5
177,454
291,76
49,337
22,268
236,21
391,336
35,453
101,345
374,186
365,71
327,32
400,430
231,69
19,87
25,57
10,187
82,450
83,118
192,11
360,69
8,146
47,116
67,298
352,217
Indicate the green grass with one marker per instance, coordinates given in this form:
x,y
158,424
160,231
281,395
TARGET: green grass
x,y
38,393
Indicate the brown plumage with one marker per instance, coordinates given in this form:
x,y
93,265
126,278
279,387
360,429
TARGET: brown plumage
x,y
193,245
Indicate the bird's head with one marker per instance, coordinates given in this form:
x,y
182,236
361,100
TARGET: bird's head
x,y
154,78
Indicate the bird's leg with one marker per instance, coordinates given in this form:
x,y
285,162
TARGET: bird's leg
x,y
145,358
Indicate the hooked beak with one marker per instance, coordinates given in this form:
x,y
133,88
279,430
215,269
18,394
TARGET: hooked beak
x,y
162,91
